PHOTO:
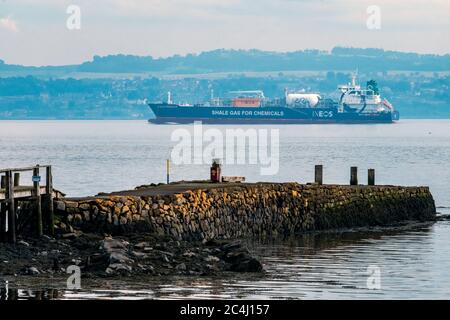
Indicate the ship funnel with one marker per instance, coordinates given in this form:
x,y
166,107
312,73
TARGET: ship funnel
x,y
169,98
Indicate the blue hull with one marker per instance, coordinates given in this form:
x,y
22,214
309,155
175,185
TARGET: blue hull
x,y
170,113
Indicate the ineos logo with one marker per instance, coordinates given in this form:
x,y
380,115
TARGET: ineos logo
x,y
323,114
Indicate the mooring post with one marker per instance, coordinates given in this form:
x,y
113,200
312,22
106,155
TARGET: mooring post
x,y
49,202
3,222
318,174
371,177
354,176
16,179
37,196
9,195
2,212
168,170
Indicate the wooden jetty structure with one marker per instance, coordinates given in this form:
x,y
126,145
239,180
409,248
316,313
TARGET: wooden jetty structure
x,y
39,193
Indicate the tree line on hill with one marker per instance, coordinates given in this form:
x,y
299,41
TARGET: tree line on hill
x,y
227,60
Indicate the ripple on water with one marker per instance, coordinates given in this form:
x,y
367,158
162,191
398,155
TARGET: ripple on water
x,y
413,264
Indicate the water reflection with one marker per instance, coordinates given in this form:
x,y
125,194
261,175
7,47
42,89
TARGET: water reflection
x,y
7,293
413,263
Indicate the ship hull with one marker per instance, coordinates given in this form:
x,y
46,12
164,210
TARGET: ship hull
x,y
166,114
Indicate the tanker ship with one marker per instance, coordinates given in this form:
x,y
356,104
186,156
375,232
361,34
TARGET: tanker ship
x,y
355,105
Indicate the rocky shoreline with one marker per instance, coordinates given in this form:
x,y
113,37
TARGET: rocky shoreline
x,y
135,254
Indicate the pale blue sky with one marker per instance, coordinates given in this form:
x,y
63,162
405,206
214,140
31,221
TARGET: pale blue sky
x,y
33,32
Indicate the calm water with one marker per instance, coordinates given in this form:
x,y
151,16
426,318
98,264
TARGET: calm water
x,y
98,156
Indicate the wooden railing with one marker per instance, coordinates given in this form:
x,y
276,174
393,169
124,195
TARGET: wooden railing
x,y
11,191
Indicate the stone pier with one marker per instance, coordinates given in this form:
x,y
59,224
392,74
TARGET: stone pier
x,y
202,211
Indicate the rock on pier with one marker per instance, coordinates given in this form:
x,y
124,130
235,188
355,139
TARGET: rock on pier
x,y
205,211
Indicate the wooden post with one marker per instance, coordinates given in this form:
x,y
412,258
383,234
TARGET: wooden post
x,y
354,176
16,179
11,207
168,170
3,221
3,212
49,202
371,177
318,174
37,196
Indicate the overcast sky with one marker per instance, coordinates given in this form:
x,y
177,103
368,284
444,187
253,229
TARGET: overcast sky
x,y
34,32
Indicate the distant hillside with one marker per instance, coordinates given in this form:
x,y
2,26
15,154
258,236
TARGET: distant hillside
x,y
221,60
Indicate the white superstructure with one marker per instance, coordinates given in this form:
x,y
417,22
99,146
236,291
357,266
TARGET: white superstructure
x,y
362,100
